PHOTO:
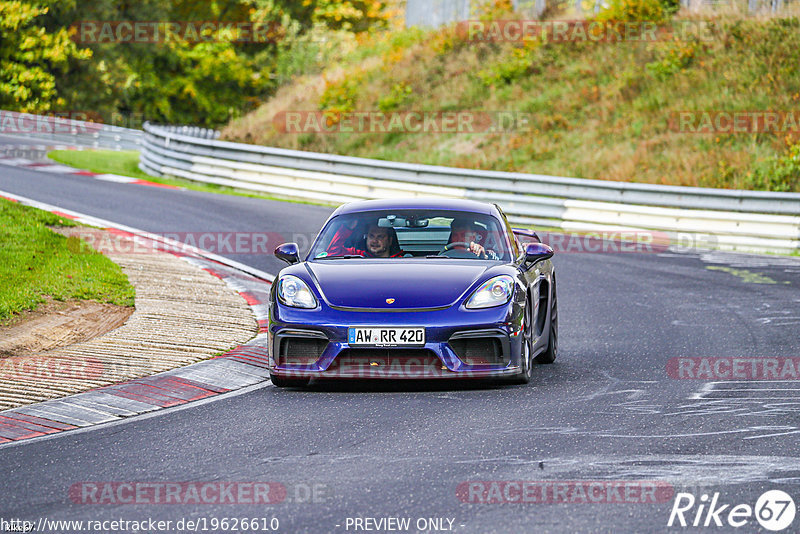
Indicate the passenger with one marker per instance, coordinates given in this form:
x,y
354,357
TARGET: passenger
x,y
381,242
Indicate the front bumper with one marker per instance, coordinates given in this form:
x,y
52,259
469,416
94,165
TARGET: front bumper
x,y
459,343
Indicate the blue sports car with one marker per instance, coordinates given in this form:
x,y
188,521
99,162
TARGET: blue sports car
x,y
414,289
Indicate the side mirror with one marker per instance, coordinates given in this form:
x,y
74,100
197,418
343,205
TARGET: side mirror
x,y
525,236
536,252
288,252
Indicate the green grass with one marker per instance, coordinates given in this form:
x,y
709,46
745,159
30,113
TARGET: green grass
x,y
598,110
36,262
125,163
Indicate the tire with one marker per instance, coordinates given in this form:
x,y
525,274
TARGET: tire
x,y
549,355
526,352
283,382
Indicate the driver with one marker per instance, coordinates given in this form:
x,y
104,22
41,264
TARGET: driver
x,y
381,242
466,232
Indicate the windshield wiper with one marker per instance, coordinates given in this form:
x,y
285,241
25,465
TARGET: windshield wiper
x,y
438,256
341,257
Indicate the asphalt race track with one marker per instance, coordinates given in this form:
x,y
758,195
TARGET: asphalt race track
x,y
606,415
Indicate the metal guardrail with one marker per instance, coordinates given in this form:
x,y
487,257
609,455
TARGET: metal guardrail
x,y
191,131
742,220
734,219
68,131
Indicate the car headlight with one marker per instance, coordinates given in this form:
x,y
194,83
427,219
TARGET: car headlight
x,y
493,292
293,292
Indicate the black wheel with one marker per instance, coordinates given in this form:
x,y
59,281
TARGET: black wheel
x,y
283,382
526,352
549,355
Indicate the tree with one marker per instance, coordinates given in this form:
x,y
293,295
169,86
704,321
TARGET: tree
x,y
30,58
351,15
175,81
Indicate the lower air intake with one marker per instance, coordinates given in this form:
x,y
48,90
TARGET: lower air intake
x,y
300,351
478,351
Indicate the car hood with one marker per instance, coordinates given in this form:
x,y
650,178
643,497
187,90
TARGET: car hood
x,y
412,284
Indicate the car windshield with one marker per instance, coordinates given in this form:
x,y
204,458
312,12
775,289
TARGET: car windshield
x,y
412,233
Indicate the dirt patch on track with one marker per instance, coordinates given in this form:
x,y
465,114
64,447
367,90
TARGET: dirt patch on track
x,y
60,324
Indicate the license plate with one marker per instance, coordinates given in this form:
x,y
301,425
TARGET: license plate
x,y
386,336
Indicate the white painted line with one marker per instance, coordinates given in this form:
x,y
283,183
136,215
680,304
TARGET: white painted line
x,y
103,408
16,162
742,390
261,311
141,417
114,178
704,390
114,401
722,383
43,413
53,168
774,435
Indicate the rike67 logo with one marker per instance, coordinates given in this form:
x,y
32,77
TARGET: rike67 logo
x,y
774,510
